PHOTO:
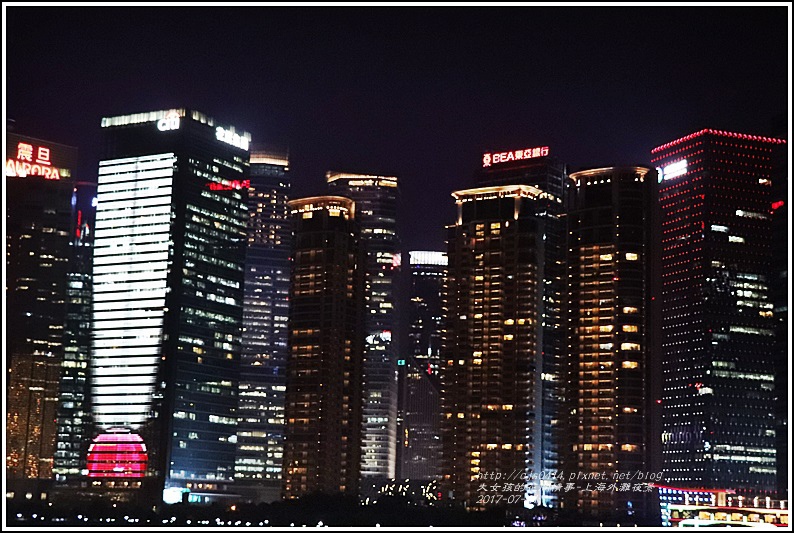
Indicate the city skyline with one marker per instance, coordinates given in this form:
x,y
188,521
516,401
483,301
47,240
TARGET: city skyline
x,y
416,93
602,194
485,207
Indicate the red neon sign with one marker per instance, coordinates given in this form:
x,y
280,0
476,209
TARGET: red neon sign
x,y
232,185
515,155
25,165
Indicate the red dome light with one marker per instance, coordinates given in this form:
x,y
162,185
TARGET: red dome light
x,y
117,454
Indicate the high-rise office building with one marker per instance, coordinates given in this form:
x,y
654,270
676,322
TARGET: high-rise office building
x,y
74,410
322,441
38,229
419,447
376,200
260,430
610,341
492,354
718,327
168,272
538,168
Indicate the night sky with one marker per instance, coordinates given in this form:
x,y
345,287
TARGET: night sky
x,y
416,92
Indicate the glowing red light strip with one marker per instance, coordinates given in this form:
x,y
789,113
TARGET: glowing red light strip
x,y
777,205
720,133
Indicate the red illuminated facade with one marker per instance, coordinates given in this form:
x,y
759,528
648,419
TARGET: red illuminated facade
x,y
717,319
117,455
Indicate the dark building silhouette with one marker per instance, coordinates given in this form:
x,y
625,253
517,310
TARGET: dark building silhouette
x,y
419,449
718,325
74,409
38,249
322,446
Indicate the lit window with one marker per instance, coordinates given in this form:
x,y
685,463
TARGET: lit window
x,y
631,346
734,238
630,329
631,256
630,310
605,257
721,229
630,364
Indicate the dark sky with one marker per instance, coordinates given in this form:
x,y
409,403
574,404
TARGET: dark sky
x,y
416,92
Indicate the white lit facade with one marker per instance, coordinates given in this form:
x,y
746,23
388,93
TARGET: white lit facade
x,y
168,268
131,263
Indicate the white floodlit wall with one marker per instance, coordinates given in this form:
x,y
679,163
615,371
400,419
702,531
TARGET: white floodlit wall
x,y
131,258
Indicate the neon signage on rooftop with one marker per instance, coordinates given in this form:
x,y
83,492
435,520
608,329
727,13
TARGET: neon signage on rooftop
x,y
32,160
514,155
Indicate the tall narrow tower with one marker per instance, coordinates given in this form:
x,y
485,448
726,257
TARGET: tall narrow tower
x,y
38,249
322,446
538,167
492,355
260,432
610,341
376,211
419,448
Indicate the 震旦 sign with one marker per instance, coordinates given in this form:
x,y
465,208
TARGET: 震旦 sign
x,y
32,160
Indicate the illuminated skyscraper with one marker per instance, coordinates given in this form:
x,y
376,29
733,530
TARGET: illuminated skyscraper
x,y
718,327
376,211
322,444
492,353
38,227
419,448
610,341
260,432
167,311
538,168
